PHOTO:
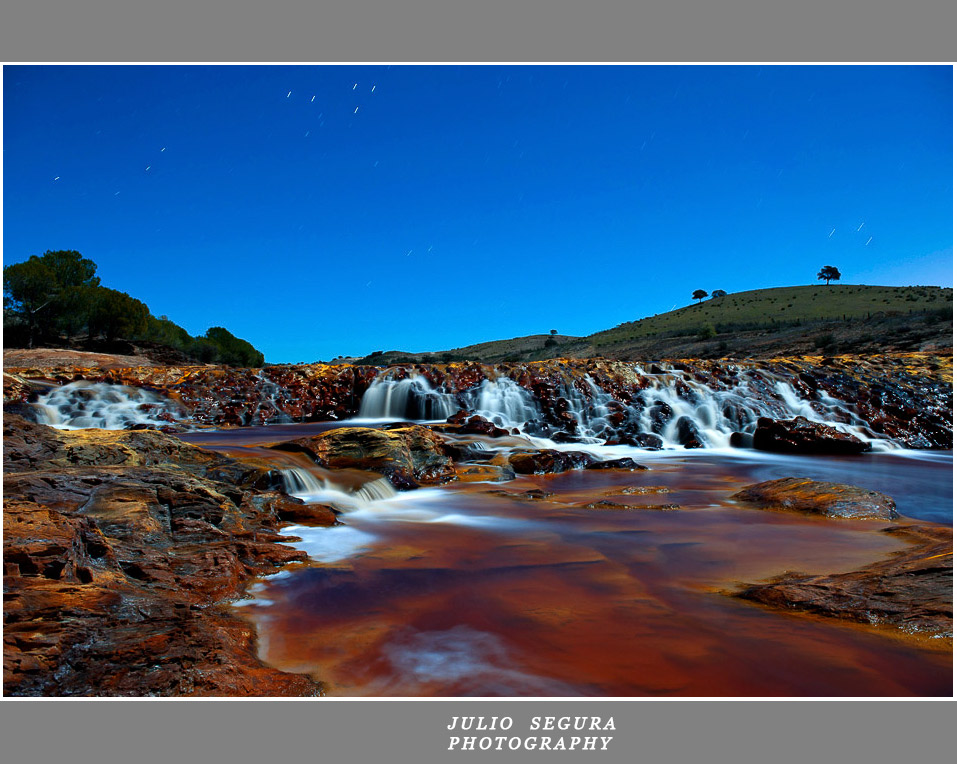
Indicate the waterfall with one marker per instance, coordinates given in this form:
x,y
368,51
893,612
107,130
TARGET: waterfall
x,y
409,398
268,404
303,484
675,405
502,401
82,404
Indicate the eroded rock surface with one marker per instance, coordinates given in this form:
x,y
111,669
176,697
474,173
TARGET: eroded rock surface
x,y
819,498
116,577
912,590
408,456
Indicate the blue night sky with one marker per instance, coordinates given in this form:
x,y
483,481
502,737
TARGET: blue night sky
x,y
319,211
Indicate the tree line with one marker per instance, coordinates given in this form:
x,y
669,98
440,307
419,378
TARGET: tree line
x,y
57,296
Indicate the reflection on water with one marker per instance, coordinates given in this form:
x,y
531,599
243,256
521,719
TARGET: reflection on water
x,y
466,590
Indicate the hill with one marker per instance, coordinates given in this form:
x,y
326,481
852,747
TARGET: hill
x,y
760,323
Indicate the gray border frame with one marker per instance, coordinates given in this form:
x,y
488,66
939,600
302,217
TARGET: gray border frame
x,y
658,732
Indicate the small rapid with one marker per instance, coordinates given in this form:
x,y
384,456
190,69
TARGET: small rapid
x,y
304,484
81,405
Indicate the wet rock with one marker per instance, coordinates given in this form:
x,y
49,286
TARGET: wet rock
x,y
625,463
293,510
644,489
28,446
660,414
819,498
480,473
476,425
112,576
533,494
646,440
407,456
687,432
801,436
913,590
607,504
549,461
742,440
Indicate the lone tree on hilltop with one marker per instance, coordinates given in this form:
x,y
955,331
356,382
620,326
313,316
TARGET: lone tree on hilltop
x,y
699,295
553,332
719,293
829,273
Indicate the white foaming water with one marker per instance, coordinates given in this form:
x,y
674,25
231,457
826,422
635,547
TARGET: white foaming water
x,y
83,405
304,485
328,544
268,408
717,414
503,402
378,501
409,398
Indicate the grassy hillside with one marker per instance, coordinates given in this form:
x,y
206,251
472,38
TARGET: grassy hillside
x,y
763,307
821,319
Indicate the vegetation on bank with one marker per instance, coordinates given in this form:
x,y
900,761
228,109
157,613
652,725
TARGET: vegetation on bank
x,y
815,319
56,299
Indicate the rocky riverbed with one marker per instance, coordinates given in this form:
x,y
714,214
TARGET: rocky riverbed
x,y
123,549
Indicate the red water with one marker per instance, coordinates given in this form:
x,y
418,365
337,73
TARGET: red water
x,y
459,591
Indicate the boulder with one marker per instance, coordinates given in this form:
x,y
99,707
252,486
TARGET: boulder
x,y
476,425
408,456
625,463
819,498
687,432
549,461
802,436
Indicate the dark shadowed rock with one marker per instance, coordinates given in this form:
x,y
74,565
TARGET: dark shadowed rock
x,y
819,498
742,440
549,461
802,436
409,456
912,590
625,463
475,425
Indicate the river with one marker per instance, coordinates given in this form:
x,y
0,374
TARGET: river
x,y
474,589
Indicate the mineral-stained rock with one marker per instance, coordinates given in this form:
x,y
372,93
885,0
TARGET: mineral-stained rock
x,y
912,590
29,446
608,504
111,576
533,494
907,397
292,510
115,576
819,498
476,473
548,461
409,456
625,463
802,436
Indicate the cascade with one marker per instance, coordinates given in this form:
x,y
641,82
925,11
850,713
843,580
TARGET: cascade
x,y
502,401
303,484
267,406
409,398
83,404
